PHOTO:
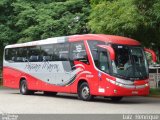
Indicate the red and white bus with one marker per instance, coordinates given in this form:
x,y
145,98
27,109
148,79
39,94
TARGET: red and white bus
x,y
89,65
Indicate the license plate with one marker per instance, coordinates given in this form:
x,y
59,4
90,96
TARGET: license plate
x,y
134,92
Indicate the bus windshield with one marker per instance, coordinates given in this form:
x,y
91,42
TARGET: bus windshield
x,y
130,62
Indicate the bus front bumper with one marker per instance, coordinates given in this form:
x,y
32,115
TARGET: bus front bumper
x,y
114,88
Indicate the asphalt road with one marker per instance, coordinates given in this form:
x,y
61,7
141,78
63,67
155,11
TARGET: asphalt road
x,y
11,101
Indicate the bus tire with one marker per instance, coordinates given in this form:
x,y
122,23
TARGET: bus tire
x,y
24,88
49,93
84,92
116,99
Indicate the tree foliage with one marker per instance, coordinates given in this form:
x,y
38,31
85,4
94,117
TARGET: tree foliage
x,y
27,20
50,19
8,32
139,19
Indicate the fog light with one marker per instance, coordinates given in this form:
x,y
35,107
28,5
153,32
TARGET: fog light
x,y
115,91
146,85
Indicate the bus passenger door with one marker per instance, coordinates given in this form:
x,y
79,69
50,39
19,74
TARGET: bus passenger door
x,y
104,68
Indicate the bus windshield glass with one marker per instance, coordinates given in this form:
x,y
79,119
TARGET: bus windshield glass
x,y
130,62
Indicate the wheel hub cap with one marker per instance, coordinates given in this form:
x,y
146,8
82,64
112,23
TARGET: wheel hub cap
x,y
85,92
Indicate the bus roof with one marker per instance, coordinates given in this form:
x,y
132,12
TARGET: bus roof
x,y
102,37
107,38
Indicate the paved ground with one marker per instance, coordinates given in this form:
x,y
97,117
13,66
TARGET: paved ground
x,y
13,102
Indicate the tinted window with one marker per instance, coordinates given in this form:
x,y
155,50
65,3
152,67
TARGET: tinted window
x,y
34,54
47,53
78,52
11,54
94,49
130,62
61,52
103,61
21,55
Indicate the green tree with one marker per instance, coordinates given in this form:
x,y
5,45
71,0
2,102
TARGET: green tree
x,y
43,19
8,32
139,19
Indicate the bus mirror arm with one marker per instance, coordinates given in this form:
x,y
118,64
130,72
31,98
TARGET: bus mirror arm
x,y
110,50
153,54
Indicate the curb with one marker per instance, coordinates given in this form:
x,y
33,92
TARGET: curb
x,y
154,96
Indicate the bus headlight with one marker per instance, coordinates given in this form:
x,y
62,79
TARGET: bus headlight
x,y
130,85
111,81
114,82
119,84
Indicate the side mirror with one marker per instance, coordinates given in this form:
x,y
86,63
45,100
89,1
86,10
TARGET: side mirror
x,y
153,54
110,50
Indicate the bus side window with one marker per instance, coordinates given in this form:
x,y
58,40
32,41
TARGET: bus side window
x,y
103,61
11,54
21,55
94,50
61,52
47,53
7,55
78,52
34,54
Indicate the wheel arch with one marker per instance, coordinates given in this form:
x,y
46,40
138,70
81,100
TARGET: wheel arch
x,y
80,82
80,89
21,79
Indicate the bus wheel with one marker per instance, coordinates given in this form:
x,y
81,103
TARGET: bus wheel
x,y
50,93
84,92
116,99
24,88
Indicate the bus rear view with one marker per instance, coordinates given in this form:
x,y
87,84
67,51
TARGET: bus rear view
x,y
88,65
